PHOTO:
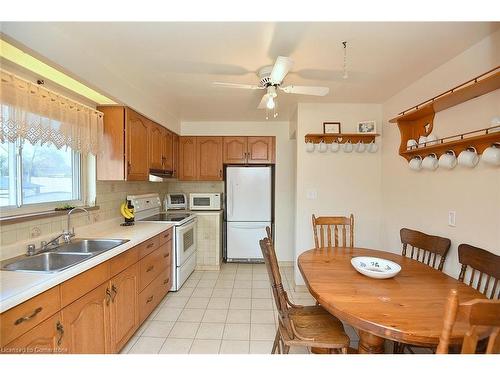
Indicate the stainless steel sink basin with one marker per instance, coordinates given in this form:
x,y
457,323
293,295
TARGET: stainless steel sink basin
x,y
88,246
45,262
64,256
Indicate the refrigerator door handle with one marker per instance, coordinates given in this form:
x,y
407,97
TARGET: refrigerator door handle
x,y
231,200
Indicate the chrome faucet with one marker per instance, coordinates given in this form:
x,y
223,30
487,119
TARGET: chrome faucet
x,y
70,233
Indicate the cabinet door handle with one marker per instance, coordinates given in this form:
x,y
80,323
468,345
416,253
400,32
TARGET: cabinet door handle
x,y
114,289
108,296
149,299
60,331
220,172
165,282
29,317
166,255
150,245
129,166
150,268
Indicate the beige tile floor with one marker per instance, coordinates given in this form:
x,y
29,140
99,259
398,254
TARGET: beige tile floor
x,y
228,312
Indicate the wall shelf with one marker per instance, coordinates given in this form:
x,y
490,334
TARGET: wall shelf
x,y
341,138
419,120
479,139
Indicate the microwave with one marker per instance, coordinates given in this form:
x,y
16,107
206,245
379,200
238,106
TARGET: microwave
x,y
205,201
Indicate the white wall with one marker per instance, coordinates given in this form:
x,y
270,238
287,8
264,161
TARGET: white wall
x,y
345,182
284,188
421,200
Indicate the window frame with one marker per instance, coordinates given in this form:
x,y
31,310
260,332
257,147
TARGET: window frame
x,y
84,181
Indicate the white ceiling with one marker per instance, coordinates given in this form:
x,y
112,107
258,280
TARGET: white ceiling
x,y
173,64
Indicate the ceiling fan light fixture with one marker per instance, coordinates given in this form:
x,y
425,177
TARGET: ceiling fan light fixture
x,y
270,102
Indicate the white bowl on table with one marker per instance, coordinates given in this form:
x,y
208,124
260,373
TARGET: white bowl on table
x,y
376,268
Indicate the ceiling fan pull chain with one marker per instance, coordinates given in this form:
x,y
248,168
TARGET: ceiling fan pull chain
x,y
345,76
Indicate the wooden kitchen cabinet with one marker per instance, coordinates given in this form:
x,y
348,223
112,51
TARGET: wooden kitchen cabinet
x,y
86,323
260,150
188,166
137,147
167,147
156,144
209,158
175,155
45,338
249,150
235,150
124,308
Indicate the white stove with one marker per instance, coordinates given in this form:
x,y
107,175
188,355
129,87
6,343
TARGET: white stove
x,y
147,208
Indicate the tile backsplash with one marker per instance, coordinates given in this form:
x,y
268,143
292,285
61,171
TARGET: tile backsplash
x,y
109,196
187,187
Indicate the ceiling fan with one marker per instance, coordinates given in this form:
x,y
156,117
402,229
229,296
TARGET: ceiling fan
x,y
271,78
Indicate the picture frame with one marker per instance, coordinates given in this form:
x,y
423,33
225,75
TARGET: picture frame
x,y
332,128
367,127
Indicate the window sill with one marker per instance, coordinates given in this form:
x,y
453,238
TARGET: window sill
x,y
15,219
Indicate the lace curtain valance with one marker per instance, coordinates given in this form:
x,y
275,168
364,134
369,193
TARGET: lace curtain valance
x,y
35,114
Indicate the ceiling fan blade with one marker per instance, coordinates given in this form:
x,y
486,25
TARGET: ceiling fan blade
x,y
280,69
306,90
237,86
263,102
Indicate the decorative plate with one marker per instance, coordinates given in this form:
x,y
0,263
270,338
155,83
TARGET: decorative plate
x,y
376,268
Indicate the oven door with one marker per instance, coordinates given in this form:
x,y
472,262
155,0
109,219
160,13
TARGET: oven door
x,y
185,241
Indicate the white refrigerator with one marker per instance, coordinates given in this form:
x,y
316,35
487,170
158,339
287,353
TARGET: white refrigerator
x,y
248,211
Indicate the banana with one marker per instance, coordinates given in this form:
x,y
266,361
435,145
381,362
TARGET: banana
x,y
129,211
124,213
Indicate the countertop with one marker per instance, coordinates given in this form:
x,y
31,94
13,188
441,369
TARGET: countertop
x,y
17,287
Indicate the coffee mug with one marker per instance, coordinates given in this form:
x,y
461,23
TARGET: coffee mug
x,y
432,139
411,144
348,147
360,147
334,147
468,158
448,160
430,162
372,147
492,154
416,163
422,140
310,147
322,147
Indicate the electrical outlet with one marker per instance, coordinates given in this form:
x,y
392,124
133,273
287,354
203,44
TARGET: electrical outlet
x,y
451,218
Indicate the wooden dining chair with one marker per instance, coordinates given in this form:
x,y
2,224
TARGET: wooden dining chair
x,y
304,326
480,315
425,248
328,225
487,266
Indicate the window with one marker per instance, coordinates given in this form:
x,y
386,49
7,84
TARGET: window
x,y
38,174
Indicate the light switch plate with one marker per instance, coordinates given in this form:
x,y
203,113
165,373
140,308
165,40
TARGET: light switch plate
x,y
452,218
311,194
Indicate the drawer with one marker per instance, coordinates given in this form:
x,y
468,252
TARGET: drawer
x,y
124,260
83,283
151,296
21,318
148,246
150,267
166,236
164,283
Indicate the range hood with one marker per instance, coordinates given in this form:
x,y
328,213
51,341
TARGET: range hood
x,y
160,175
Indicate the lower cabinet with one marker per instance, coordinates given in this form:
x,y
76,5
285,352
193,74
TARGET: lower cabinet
x,y
96,311
45,338
86,323
124,314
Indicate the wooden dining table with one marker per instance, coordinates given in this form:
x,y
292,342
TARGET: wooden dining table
x,y
407,308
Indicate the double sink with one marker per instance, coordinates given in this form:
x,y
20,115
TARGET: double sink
x,y
61,257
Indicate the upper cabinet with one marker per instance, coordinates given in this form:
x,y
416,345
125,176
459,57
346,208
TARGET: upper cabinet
x,y
209,155
235,150
200,158
133,145
188,167
249,150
